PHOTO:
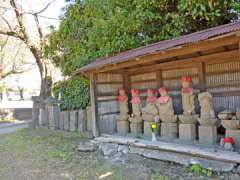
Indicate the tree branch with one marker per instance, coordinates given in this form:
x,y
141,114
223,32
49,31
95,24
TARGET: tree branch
x,y
12,34
42,10
40,32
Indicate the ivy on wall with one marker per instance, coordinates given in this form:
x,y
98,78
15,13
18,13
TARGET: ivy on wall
x,y
74,93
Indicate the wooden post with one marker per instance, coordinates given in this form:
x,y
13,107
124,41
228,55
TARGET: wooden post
x,y
126,83
93,94
159,78
201,74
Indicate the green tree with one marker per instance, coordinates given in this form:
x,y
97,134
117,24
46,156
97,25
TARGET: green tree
x,y
90,29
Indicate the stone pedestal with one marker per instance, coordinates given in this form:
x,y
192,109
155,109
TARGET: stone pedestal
x,y
43,117
235,134
61,121
169,130
136,128
66,120
207,134
82,121
122,127
73,121
52,106
147,128
53,118
37,104
187,132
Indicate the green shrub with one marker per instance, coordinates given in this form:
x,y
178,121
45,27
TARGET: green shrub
x,y
74,92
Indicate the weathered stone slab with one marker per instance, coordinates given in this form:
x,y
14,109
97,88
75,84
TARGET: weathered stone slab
x,y
187,132
169,130
136,128
43,117
61,121
66,120
183,159
109,149
89,118
73,120
82,120
122,127
53,118
235,134
87,147
207,134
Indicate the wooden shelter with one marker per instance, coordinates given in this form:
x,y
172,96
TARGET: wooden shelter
x,y
210,57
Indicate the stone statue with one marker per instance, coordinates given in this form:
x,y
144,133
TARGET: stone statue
x,y
207,112
189,119
150,114
135,118
187,96
150,110
136,103
122,119
165,106
123,104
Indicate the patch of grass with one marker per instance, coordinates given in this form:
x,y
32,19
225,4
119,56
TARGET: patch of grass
x,y
197,170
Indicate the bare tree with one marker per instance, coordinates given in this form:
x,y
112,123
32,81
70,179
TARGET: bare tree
x,y
12,54
20,32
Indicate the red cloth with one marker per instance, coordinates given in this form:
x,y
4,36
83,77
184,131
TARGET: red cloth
x,y
151,99
122,98
163,99
162,89
187,90
228,140
187,79
136,100
135,91
150,91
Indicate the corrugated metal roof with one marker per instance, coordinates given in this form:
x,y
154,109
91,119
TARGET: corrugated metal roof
x,y
162,45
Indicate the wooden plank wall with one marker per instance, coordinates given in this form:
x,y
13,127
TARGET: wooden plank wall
x,y
223,81
221,78
108,108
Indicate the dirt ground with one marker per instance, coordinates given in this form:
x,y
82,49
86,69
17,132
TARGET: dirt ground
x,y
42,154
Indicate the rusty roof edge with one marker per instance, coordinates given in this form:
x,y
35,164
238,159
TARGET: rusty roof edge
x,y
186,39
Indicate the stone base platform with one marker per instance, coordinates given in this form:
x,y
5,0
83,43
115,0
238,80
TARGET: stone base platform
x,y
187,132
169,130
136,128
122,127
235,134
207,134
210,158
147,129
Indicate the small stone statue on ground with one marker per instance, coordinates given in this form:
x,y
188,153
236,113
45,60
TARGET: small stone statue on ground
x,y
207,117
122,119
123,104
135,119
150,111
136,103
165,106
187,96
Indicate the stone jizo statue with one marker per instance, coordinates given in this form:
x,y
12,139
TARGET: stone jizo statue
x,y
150,111
123,103
187,96
207,117
165,106
136,103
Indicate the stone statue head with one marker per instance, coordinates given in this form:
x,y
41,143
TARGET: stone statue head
x,y
150,92
135,92
122,92
186,81
163,91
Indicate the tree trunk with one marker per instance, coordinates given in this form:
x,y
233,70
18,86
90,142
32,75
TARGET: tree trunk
x,y
46,79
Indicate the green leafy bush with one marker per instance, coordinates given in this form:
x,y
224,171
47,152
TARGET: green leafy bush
x,y
74,93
